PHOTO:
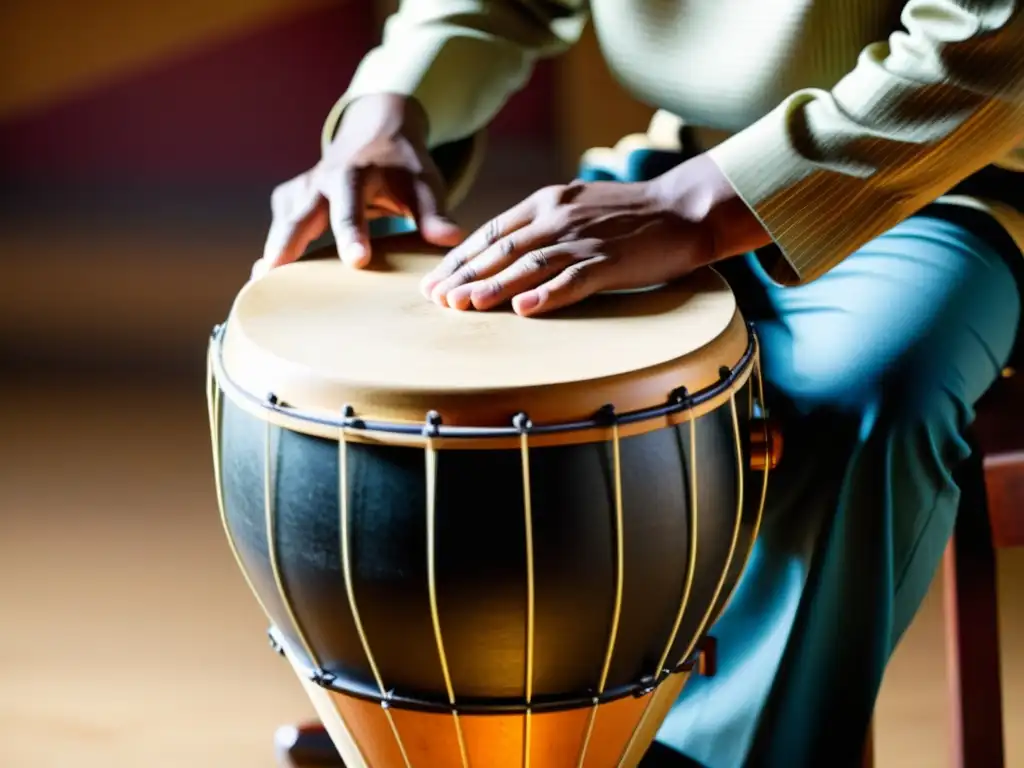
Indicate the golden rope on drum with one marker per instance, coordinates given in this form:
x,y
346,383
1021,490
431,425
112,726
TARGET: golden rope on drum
x,y
660,668
431,471
619,575
346,568
522,422
520,520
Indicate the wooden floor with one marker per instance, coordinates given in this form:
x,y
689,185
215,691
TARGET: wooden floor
x,y
127,637
130,640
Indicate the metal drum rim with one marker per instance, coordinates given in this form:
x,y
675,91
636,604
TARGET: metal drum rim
x,y
680,406
468,706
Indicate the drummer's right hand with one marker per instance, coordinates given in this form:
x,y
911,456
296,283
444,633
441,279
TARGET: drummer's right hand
x,y
377,165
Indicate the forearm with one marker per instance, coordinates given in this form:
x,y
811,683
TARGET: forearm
x,y
461,59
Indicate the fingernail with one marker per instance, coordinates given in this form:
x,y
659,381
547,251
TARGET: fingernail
x,y
526,302
427,285
438,296
459,298
354,254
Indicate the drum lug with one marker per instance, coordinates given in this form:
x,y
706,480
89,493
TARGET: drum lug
x,y
706,657
765,444
323,678
647,685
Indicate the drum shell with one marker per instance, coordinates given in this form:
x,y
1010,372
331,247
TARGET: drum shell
x,y
683,488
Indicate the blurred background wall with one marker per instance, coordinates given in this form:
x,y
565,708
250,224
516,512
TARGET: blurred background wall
x,y
194,92
139,143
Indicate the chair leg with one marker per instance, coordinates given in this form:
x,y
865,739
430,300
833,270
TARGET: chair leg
x,y
972,635
868,760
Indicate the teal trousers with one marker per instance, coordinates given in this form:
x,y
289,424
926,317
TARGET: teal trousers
x,y
874,370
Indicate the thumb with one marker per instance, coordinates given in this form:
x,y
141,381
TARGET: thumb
x,y
299,217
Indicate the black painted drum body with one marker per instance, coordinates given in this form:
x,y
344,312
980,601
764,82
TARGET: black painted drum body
x,y
465,574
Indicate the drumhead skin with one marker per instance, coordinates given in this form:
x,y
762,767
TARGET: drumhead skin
x,y
320,336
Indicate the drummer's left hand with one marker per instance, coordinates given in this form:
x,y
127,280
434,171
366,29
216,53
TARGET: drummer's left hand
x,y
566,242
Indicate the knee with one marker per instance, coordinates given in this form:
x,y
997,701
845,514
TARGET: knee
x,y
911,414
910,335
937,374
921,403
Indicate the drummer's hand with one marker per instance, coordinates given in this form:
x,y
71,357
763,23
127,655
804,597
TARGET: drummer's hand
x,y
377,165
565,243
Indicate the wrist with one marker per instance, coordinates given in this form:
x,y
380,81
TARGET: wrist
x,y
385,114
699,192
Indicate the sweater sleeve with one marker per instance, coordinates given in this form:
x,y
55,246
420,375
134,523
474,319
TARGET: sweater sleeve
x,y
827,171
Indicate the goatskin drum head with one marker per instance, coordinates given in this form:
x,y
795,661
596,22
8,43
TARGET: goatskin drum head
x,y
321,336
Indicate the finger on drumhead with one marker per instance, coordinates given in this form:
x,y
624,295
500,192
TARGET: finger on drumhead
x,y
529,272
504,224
500,256
345,191
569,286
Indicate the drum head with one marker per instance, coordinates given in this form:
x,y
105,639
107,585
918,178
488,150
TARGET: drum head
x,y
321,336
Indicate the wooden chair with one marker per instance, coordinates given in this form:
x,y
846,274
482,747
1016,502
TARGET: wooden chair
x,y
991,518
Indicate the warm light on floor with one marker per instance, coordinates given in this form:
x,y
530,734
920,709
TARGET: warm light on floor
x,y
130,639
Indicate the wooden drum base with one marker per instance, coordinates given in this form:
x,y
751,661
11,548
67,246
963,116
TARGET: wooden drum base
x,y
361,734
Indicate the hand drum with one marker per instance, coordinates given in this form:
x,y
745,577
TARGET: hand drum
x,y
483,540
